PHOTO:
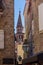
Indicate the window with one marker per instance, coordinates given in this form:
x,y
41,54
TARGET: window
x,y
1,39
8,61
1,5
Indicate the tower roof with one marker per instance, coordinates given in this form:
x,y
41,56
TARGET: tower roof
x,y
19,23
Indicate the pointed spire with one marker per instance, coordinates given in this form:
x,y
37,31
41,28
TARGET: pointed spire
x,y
19,23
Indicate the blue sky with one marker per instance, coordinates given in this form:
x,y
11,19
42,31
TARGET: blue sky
x,y
19,6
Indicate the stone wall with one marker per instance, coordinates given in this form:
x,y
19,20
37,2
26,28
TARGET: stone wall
x,y
7,24
41,41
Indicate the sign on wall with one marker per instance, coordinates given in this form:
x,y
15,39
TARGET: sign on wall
x,y
40,10
1,39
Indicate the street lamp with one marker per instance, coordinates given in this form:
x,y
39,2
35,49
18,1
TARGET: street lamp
x,y
26,48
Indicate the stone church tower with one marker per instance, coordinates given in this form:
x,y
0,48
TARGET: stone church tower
x,y
6,32
19,34
19,39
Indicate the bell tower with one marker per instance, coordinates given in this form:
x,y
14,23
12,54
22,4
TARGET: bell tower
x,y
19,27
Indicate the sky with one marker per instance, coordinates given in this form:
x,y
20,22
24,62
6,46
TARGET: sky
x,y
19,6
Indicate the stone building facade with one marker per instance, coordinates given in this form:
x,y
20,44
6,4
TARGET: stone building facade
x,y
31,14
7,25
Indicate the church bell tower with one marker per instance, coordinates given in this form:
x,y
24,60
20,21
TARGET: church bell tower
x,y
19,34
